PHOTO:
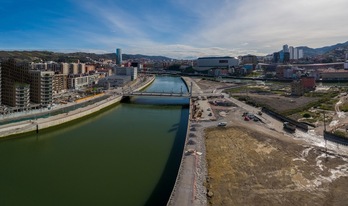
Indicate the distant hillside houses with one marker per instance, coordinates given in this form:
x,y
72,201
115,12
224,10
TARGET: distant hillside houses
x,y
329,71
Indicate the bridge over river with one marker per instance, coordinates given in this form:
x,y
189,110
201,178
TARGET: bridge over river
x,y
169,94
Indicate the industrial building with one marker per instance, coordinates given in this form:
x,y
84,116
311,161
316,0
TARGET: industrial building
x,y
305,84
114,81
249,59
207,63
333,74
127,71
122,75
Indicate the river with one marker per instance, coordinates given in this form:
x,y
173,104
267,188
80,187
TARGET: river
x,y
127,155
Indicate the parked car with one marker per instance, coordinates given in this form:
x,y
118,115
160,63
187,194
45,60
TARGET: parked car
x,y
222,124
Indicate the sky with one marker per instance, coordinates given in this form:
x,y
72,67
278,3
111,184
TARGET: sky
x,y
181,29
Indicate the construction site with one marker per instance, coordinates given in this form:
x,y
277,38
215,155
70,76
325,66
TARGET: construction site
x,y
261,163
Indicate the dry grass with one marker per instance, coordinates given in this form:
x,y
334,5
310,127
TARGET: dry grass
x,y
247,167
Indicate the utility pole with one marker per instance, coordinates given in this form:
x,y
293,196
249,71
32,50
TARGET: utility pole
x,y
191,89
324,136
324,122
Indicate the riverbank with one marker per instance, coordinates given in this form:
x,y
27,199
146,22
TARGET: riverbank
x,y
35,125
189,187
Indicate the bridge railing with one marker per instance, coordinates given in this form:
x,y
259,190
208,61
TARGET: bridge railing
x,y
155,94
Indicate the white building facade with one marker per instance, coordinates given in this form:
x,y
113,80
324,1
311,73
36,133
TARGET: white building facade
x,y
127,71
206,63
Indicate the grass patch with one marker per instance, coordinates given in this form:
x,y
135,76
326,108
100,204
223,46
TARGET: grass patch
x,y
344,107
340,133
240,89
326,101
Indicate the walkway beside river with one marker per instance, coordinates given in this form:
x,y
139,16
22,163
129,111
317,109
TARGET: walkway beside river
x,y
188,189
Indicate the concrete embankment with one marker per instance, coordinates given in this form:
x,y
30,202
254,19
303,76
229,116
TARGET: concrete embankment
x,y
182,190
185,191
44,123
145,84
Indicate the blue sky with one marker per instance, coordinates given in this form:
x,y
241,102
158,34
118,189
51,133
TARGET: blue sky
x,y
174,28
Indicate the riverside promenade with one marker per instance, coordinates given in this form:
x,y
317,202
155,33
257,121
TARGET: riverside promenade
x,y
33,125
189,187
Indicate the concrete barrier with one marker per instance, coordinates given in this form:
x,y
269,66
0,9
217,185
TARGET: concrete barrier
x,y
175,192
44,123
335,138
285,119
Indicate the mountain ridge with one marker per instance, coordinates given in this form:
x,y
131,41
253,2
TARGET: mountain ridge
x,y
42,55
37,56
311,52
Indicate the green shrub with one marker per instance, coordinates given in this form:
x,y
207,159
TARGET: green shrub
x,y
344,107
340,133
306,115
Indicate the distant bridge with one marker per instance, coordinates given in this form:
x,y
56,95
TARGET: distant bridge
x,y
168,94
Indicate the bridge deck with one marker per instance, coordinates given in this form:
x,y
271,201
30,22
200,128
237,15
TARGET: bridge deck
x,y
166,94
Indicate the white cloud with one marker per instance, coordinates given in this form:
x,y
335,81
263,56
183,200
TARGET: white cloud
x,y
221,27
274,23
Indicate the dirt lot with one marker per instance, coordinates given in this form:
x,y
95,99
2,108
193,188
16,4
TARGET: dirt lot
x,y
249,164
280,103
247,167
277,102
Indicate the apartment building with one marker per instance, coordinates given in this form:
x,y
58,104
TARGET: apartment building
x,y
41,83
60,83
82,68
0,84
64,68
22,85
81,81
15,88
74,68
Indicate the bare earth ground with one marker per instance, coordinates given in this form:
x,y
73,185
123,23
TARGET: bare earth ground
x,y
249,164
280,103
247,167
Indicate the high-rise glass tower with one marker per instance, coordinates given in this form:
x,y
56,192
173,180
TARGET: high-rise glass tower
x,y
118,56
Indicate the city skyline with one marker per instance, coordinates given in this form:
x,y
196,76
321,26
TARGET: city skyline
x,y
178,29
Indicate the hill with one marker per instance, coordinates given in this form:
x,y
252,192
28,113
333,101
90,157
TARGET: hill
x,y
37,56
310,52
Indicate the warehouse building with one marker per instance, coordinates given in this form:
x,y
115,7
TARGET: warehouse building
x,y
207,63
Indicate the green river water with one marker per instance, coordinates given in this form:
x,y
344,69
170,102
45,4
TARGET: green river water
x,y
127,155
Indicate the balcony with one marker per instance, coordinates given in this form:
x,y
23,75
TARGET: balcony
x,y
46,87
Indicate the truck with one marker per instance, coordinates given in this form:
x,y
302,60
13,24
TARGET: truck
x,y
288,126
